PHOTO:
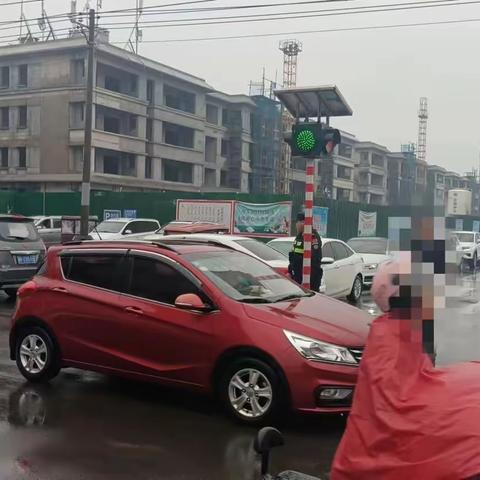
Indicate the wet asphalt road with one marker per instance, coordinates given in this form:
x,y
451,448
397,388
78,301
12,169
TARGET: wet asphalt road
x,y
86,426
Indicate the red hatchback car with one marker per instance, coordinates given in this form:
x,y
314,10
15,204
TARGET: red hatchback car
x,y
196,316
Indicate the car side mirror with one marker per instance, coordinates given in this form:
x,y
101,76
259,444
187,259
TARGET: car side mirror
x,y
266,439
191,301
327,260
127,232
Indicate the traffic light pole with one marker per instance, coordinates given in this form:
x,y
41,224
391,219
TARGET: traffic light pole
x,y
308,228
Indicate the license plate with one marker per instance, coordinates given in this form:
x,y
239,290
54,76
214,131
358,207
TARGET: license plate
x,y
27,259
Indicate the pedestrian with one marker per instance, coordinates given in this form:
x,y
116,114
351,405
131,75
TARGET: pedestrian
x,y
409,419
295,257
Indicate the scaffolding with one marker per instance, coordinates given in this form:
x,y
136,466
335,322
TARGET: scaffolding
x,y
422,129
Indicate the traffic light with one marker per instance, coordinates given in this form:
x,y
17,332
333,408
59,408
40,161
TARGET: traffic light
x,y
311,140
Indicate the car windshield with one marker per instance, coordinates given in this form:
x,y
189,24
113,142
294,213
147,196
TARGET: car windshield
x,y
261,250
17,230
244,278
465,237
110,227
283,246
370,245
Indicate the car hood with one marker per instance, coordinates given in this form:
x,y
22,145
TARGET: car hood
x,y
103,236
319,317
369,258
466,245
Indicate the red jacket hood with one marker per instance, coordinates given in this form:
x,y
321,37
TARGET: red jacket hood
x,y
318,317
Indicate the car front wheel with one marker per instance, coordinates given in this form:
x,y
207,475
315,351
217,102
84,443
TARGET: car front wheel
x,y
251,391
356,291
35,355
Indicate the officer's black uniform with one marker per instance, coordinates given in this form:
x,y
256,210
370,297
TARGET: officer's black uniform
x,y
295,258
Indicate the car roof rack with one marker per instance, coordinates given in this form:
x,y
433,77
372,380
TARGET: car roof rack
x,y
198,241
103,242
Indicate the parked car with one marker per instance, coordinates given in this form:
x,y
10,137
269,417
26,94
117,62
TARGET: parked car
x,y
117,228
181,228
374,251
21,252
242,244
455,247
342,267
470,243
49,229
202,317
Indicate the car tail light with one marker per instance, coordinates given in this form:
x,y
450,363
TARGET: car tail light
x,y
27,289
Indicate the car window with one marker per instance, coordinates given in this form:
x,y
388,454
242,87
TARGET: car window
x,y
339,251
349,251
97,270
57,223
327,251
284,247
45,223
465,237
142,226
158,281
110,227
261,250
17,231
369,245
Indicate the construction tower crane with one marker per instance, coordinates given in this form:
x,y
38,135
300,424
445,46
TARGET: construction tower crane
x,y
290,49
422,129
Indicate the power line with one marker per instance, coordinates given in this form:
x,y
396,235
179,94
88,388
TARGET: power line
x,y
286,16
309,32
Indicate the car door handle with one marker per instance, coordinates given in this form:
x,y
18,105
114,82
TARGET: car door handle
x,y
60,289
135,310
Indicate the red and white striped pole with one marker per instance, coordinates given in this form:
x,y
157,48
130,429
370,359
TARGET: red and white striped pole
x,y
307,232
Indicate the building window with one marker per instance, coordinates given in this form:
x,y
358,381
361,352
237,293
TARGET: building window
x,y
344,172
174,171
150,91
132,125
364,159
5,77
4,157
5,118
377,160
224,150
179,99
77,158
22,157
112,83
343,194
78,70
77,115
148,167
345,150
212,114
22,116
223,178
377,180
22,76
178,135
439,178
210,149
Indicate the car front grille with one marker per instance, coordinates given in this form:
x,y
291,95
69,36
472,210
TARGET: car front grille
x,y
357,353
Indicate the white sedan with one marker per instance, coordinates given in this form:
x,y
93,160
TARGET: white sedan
x,y
119,228
342,267
247,245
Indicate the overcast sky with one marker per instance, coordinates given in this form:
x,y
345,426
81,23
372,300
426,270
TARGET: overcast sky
x,y
382,73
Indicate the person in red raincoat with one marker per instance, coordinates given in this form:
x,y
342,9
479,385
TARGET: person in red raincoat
x,y
409,420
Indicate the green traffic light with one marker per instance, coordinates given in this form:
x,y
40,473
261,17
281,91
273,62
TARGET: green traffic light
x,y
305,140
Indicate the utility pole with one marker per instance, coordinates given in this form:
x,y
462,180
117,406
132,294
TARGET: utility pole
x,y
87,148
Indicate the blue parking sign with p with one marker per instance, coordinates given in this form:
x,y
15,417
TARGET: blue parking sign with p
x,y
109,214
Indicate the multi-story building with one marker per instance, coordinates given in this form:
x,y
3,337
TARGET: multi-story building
x,y
154,127
371,173
436,188
267,144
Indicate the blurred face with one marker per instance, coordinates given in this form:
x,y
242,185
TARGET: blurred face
x,y
300,226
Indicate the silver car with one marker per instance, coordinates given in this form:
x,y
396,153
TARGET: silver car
x,y
21,252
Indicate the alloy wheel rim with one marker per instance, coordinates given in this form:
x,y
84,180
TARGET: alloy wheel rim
x,y
250,393
33,354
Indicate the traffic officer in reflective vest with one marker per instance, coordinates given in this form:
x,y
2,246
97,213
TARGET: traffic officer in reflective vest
x,y
295,257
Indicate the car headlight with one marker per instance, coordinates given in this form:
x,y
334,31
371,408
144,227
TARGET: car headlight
x,y
371,266
319,351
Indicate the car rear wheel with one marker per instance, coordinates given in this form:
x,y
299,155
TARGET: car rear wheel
x,y
36,356
251,391
11,292
356,291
